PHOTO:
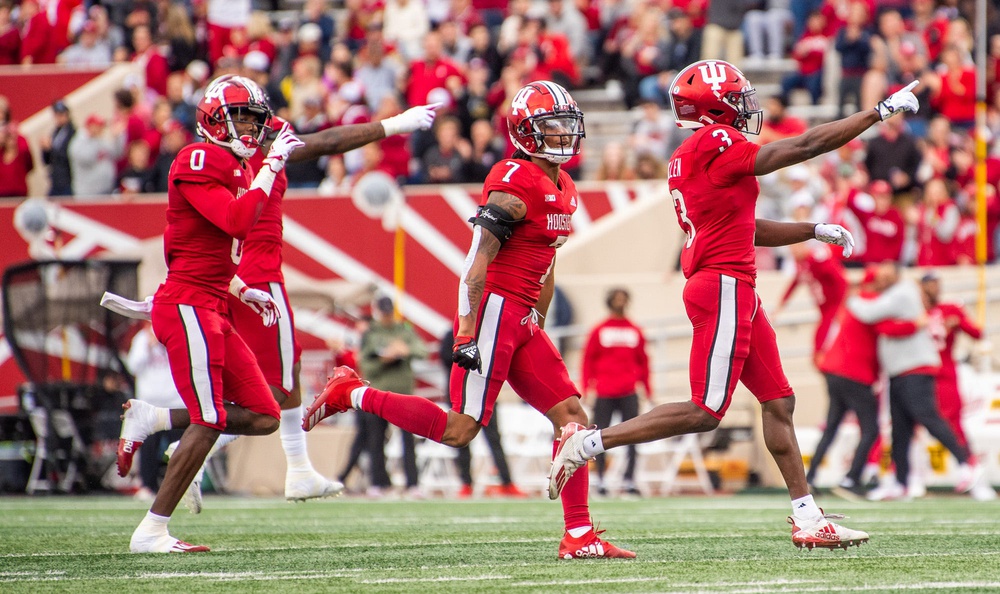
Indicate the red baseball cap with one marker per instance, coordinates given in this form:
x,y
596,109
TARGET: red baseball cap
x,y
879,186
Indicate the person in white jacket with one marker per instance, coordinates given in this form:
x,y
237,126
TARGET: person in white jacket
x,y
92,157
911,362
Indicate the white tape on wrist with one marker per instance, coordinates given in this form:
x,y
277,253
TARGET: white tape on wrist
x,y
264,180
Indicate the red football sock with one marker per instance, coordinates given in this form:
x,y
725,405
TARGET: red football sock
x,y
576,509
411,413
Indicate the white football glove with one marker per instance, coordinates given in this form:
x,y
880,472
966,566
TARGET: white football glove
x,y
836,235
262,303
281,147
900,101
416,118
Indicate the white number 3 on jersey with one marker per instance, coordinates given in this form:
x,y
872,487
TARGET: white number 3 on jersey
x,y
720,133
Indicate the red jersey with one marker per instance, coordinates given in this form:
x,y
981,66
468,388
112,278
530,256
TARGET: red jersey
x,y
809,52
210,210
615,360
523,263
882,235
936,235
261,262
715,195
945,338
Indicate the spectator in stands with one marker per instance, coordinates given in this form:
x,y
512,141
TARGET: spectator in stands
x,y
337,181
854,44
257,67
260,35
178,32
936,148
931,24
88,51
308,174
563,18
953,88
615,362
431,72
778,124
378,72
485,150
614,165
406,24
55,151
654,132
223,16
455,45
151,59
15,161
392,155
108,32
938,223
127,115
644,55
36,35
894,156
683,47
472,103
893,50
650,167
483,48
809,52
549,54
770,19
444,162
138,177
882,225
10,37
315,11
723,35
304,82
362,17
388,348
510,29
92,157
175,137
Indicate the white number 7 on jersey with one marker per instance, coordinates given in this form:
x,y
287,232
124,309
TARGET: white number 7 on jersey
x,y
513,167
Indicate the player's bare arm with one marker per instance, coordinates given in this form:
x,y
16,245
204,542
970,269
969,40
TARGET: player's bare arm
x,y
827,137
774,233
546,294
341,139
337,140
503,206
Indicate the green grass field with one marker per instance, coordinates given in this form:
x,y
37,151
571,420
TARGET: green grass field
x,y
730,544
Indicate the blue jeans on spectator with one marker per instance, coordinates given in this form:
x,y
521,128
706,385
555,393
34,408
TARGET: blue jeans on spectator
x,y
810,82
649,89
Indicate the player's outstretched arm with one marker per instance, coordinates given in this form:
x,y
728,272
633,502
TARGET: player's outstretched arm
x,y
827,137
340,139
773,234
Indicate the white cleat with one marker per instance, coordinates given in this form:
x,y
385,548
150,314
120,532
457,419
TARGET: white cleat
x,y
969,475
889,490
138,422
301,486
162,543
569,457
824,534
983,492
192,496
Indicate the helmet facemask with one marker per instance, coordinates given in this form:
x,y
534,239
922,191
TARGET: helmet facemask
x,y
563,128
749,115
245,145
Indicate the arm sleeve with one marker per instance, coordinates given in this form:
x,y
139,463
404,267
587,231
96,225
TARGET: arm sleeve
x,y
643,359
735,161
872,311
589,356
897,328
968,326
216,203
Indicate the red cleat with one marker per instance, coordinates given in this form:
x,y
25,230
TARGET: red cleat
x,y
590,546
510,490
335,397
465,492
138,422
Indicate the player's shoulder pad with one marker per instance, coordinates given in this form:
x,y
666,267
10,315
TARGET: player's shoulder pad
x,y
203,161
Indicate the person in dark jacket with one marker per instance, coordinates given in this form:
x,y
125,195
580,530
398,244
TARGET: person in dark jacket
x,y
55,151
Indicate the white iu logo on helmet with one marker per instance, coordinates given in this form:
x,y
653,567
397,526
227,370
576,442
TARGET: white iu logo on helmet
x,y
713,74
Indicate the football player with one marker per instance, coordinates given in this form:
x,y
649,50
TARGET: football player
x,y
214,199
275,346
712,179
504,291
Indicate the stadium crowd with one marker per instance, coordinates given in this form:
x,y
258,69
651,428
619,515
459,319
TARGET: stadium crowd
x,y
367,59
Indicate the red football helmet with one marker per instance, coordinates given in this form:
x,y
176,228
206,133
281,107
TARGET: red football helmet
x,y
225,98
715,92
545,122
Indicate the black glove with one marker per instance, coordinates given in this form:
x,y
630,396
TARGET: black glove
x,y
465,353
